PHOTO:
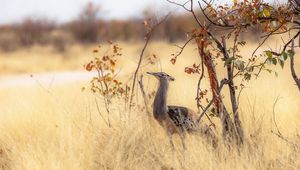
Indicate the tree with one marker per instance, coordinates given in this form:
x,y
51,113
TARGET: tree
x,y
281,19
31,31
230,21
86,27
287,16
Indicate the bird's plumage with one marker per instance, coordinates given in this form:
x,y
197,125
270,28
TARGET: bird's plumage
x,y
182,117
176,119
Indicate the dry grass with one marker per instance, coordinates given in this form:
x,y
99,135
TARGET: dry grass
x,y
60,128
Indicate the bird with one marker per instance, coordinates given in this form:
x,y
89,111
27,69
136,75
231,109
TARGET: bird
x,y
176,119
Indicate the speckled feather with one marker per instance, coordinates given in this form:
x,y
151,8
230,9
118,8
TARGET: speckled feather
x,y
182,117
176,119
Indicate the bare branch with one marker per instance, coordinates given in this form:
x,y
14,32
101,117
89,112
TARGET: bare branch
x,y
183,47
211,22
261,66
181,5
267,37
278,133
292,66
148,37
274,116
223,82
199,84
144,94
282,32
194,15
219,44
198,94
99,112
287,44
294,145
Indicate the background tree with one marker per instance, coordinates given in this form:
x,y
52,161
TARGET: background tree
x,y
86,27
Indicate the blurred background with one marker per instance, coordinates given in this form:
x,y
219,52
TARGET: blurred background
x,y
38,36
24,24
47,35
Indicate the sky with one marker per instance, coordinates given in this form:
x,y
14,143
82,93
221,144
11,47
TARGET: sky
x,y
65,10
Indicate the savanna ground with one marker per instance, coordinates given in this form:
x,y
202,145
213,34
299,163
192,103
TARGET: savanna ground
x,y
58,126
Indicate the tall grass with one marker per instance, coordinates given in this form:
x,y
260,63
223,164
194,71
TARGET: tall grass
x,y
60,128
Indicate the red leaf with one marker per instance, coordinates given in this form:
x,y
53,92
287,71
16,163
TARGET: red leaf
x,y
173,60
89,66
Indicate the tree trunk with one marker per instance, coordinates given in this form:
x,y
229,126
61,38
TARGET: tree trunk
x,y
292,66
237,122
229,131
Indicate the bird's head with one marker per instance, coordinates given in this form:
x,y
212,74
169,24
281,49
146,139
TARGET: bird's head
x,y
161,76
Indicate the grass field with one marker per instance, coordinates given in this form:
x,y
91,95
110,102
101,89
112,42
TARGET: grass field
x,y
59,127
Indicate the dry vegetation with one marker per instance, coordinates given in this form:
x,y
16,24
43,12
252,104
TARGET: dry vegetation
x,y
60,127
45,58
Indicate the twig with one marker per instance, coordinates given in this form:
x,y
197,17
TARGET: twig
x,y
223,82
265,39
274,116
148,37
181,5
278,133
239,95
137,69
99,112
287,44
199,90
199,84
144,94
183,46
211,22
206,108
282,32
286,140
262,65
219,44
194,14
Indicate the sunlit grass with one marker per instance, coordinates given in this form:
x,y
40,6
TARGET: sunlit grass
x,y
59,127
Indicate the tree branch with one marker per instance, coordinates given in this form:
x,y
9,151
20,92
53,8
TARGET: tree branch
x,y
148,37
223,82
292,66
181,5
144,94
286,44
267,37
233,99
183,47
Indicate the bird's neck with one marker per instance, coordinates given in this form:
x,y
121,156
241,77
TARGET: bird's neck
x,y
160,102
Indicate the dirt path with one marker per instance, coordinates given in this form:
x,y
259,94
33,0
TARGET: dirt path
x,y
49,78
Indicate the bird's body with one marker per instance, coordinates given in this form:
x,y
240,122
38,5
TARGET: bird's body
x,y
175,119
183,117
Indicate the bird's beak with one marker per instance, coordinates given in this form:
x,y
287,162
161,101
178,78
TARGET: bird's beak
x,y
172,79
150,73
